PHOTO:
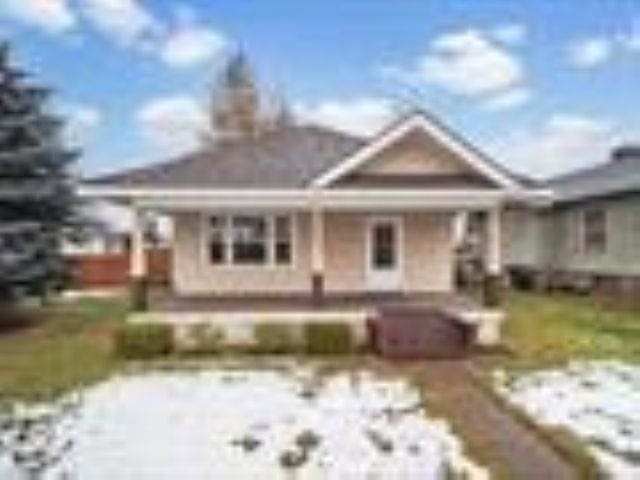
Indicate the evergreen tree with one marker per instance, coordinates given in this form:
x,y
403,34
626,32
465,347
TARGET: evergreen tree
x,y
37,203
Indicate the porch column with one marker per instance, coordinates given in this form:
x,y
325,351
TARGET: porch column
x,y
138,262
317,253
493,260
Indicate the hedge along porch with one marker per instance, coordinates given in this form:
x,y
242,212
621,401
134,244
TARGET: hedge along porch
x,y
308,212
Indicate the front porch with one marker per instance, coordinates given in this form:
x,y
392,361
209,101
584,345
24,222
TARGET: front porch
x,y
393,325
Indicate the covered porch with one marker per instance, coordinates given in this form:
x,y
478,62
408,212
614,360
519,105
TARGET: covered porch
x,y
360,247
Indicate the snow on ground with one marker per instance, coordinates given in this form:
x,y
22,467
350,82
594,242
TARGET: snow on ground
x,y
233,423
598,401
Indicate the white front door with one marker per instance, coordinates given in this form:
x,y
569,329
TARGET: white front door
x,y
384,253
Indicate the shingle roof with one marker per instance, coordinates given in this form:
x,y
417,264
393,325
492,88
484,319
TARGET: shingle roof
x,y
620,175
286,158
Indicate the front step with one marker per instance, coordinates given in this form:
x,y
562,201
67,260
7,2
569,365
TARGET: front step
x,y
411,333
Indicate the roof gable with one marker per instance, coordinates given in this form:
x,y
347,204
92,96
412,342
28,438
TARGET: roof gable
x,y
444,153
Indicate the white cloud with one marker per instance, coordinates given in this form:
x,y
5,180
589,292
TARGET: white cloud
x,y
562,143
172,124
510,33
82,122
359,116
467,63
508,99
125,21
191,45
53,16
590,52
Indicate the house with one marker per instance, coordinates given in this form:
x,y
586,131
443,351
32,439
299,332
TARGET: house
x,y
305,212
588,237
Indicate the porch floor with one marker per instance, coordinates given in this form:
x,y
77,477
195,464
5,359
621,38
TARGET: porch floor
x,y
166,301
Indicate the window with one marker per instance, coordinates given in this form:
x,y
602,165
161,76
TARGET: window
x,y
594,230
384,246
250,240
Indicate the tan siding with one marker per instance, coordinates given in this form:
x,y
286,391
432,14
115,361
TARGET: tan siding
x,y
429,238
427,263
416,154
344,252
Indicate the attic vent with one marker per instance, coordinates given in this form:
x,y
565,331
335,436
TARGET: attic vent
x,y
626,152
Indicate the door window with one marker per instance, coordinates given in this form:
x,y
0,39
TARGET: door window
x,y
384,246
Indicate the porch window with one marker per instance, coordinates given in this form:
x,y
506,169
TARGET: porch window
x,y
594,230
250,240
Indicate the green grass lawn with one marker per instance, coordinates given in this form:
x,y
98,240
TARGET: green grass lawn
x,y
70,344
554,328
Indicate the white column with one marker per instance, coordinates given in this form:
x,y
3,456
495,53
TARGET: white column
x,y
494,242
317,241
138,263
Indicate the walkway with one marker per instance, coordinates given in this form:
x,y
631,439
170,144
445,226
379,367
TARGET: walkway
x,y
489,430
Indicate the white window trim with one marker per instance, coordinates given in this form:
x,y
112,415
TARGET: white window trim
x,y
228,262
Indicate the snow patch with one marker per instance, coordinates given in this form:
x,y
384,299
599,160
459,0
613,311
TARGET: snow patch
x,y
234,423
598,401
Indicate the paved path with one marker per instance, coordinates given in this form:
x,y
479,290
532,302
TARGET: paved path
x,y
487,427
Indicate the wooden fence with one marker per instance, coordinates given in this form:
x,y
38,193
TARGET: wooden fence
x,y
112,269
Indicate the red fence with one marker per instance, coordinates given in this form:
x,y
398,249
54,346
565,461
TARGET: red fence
x,y
109,270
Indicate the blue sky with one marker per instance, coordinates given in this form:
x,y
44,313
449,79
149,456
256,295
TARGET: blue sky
x,y
544,86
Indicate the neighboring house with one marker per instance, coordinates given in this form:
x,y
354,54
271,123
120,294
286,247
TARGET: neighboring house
x,y
588,236
100,256
107,230
304,211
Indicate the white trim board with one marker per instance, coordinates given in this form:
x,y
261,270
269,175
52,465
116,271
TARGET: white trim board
x,y
304,199
421,122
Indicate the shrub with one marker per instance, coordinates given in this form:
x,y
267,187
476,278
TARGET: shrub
x,y
205,338
328,338
144,340
275,338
